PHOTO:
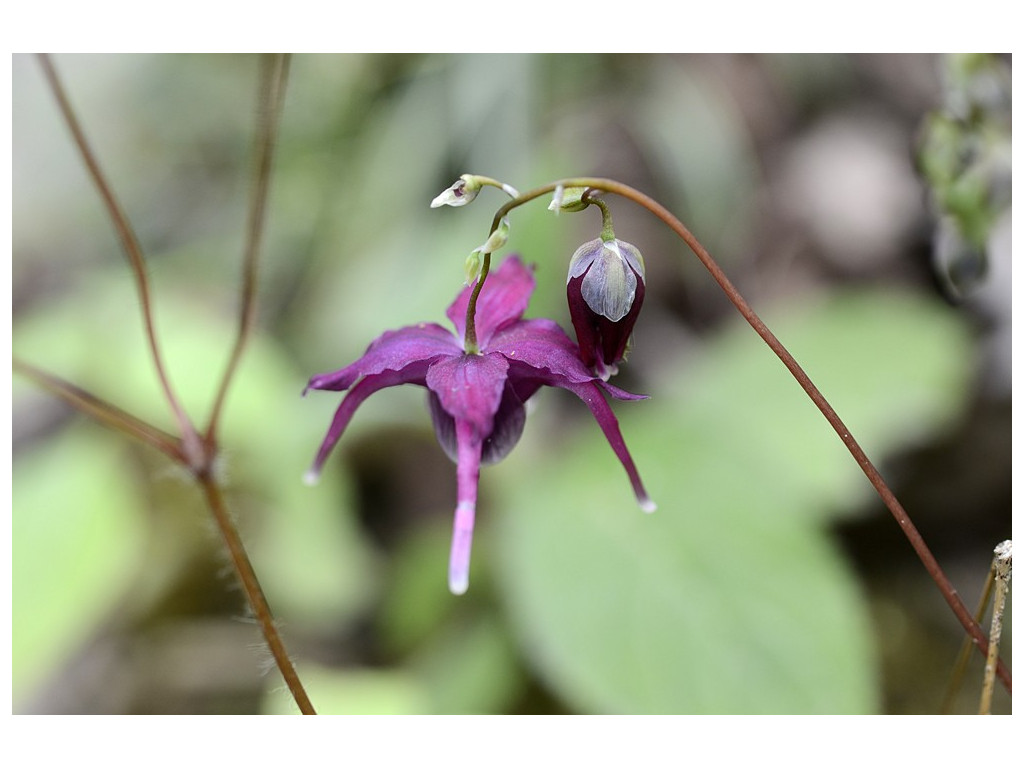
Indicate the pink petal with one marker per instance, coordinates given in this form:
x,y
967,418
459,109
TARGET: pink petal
x,y
470,388
541,344
412,374
590,393
392,351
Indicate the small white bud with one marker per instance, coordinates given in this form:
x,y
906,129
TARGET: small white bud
x,y
498,237
462,192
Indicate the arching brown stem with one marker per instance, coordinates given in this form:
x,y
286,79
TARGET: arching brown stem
x,y
130,243
931,565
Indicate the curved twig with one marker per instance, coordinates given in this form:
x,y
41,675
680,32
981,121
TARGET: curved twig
x,y
130,243
105,413
273,78
254,592
931,565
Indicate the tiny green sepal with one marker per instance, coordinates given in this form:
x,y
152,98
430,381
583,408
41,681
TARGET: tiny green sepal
x,y
474,263
569,200
497,239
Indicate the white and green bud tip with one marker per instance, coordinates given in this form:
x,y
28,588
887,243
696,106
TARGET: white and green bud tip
x,y
462,192
497,239
465,190
474,264
568,200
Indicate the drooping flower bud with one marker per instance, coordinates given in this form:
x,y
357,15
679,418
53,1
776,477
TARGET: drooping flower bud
x,y
568,200
462,192
468,186
605,288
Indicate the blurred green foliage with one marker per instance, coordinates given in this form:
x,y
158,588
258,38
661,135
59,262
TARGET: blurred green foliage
x,y
965,156
79,541
733,597
730,598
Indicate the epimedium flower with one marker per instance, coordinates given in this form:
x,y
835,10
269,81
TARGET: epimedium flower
x,y
605,288
476,399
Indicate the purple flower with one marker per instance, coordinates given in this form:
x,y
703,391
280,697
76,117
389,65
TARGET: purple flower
x,y
476,400
605,288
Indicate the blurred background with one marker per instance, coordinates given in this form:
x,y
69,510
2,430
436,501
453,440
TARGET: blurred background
x,y
860,203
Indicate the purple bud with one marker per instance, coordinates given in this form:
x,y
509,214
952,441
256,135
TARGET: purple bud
x,y
605,288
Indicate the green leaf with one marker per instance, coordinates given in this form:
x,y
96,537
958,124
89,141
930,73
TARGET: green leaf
x,y
78,538
463,655
353,692
730,598
305,543
470,667
895,368
416,602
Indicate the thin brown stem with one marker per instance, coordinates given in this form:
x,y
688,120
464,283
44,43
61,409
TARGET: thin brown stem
x,y
964,656
113,417
469,342
874,477
191,451
273,78
105,413
253,592
129,242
